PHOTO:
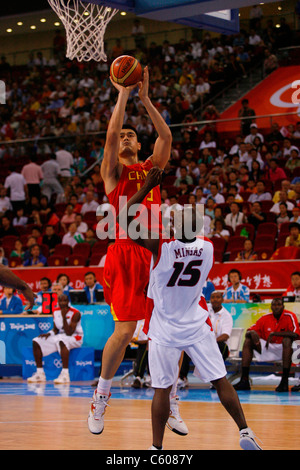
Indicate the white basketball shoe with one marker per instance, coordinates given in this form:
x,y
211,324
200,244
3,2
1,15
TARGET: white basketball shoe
x,y
175,423
96,414
38,376
63,378
247,440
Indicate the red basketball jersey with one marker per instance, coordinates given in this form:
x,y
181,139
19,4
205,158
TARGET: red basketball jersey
x,y
131,180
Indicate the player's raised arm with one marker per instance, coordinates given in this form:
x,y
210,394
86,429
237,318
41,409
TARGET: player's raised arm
x,y
124,219
9,279
111,149
163,144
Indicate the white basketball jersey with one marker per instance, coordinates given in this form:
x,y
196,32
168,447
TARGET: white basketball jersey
x,y
175,285
58,321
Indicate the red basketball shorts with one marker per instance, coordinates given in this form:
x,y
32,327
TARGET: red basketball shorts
x,y
125,278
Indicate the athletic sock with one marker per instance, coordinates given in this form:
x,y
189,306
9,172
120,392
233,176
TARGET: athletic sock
x,y
173,391
40,370
157,447
104,386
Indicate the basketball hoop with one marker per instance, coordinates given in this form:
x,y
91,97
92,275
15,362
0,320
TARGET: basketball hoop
x,y
85,25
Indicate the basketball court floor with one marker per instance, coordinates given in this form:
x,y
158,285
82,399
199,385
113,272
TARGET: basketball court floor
x,y
54,417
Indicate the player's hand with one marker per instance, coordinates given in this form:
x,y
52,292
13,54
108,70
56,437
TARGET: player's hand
x,y
144,85
153,178
123,89
30,296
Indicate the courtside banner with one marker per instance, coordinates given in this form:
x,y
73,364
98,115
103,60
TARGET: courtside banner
x,y
255,274
278,93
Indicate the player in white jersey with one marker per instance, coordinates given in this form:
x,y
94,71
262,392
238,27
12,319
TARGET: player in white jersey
x,y
179,319
66,334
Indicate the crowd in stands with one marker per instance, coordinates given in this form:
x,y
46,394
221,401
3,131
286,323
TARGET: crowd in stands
x,y
57,112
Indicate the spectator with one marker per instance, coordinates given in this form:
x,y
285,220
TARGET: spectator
x,y
82,227
253,134
5,204
215,195
294,160
183,177
283,216
72,237
45,286
65,161
64,281
246,112
270,340
68,217
247,254
20,219
208,289
3,259
66,334
50,238
285,186
7,228
220,230
10,304
17,186
235,217
294,237
260,193
18,251
222,322
138,33
296,214
90,204
270,62
91,285
283,197
33,176
237,292
36,258
293,289
256,215
51,172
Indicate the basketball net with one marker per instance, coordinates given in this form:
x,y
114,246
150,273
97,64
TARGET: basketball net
x,y
85,25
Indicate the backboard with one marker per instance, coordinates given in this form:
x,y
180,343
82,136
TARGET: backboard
x,y
214,15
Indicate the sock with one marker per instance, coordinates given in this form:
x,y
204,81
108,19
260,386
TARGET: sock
x,y
173,391
104,386
40,370
65,370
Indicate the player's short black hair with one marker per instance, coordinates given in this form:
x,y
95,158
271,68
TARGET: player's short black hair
x,y
129,126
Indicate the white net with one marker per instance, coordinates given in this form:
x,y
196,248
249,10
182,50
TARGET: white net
x,y
85,25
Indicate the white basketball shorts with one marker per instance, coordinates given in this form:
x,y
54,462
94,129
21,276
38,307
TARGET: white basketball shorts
x,y
205,354
273,353
51,344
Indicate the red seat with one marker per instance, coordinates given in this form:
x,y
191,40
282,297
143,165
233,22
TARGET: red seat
x,y
267,228
82,249
286,252
235,243
281,240
248,227
100,248
76,260
264,241
56,260
14,261
233,255
90,217
95,259
63,249
266,205
264,253
284,228
218,254
219,243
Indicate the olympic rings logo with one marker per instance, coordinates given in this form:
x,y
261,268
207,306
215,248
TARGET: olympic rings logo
x,y
58,363
44,326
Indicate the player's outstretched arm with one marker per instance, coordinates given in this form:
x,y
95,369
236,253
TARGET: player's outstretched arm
x,y
163,144
10,279
111,149
124,219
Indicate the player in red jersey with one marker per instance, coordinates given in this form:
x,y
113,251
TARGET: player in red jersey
x,y
127,265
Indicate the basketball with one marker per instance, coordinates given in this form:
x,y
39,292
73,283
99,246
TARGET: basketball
x,y
126,70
